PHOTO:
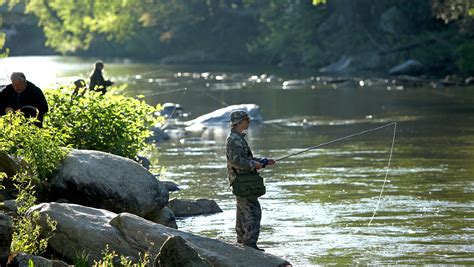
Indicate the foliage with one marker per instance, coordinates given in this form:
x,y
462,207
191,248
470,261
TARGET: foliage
x,y
111,123
289,28
27,230
465,60
40,152
39,148
108,259
460,11
69,27
319,2
2,176
310,33
27,234
81,259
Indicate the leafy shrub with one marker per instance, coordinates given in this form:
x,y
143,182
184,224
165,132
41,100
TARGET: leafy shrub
x,y
465,60
40,152
39,148
27,230
111,123
109,259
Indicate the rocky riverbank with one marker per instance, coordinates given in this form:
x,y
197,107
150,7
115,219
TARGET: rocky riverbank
x,y
100,200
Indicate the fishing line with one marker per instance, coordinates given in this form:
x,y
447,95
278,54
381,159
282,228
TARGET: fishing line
x,y
215,98
336,140
162,92
278,127
144,73
351,136
386,174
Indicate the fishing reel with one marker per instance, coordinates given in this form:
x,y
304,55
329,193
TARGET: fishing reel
x,y
264,162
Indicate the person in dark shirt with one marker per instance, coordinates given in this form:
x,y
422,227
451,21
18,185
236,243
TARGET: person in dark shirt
x,y
22,95
97,81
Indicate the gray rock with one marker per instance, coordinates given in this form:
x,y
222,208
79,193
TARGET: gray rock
x,y
354,63
469,80
176,252
6,231
82,231
158,135
220,117
107,181
171,186
22,260
88,230
343,65
164,216
409,67
8,165
184,208
10,206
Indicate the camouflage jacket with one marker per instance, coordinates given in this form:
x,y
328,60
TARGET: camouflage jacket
x,y
239,156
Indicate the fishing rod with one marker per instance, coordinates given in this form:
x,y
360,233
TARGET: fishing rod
x,y
351,136
336,140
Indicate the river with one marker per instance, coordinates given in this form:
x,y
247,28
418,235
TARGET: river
x,y
318,204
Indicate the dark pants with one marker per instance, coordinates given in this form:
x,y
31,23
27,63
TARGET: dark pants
x,y
247,224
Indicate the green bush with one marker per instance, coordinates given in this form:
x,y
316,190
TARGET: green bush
x,y
40,152
27,229
40,149
465,57
111,123
110,258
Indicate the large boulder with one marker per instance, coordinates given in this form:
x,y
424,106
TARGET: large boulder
x,y
184,208
220,117
88,230
107,181
6,231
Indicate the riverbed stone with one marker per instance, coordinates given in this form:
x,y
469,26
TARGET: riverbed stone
x,y
6,231
164,216
107,181
158,136
171,186
88,230
22,260
185,207
176,252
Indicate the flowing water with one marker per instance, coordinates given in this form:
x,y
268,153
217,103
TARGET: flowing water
x,y
318,204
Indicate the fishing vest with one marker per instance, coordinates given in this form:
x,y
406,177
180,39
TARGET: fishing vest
x,y
244,180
